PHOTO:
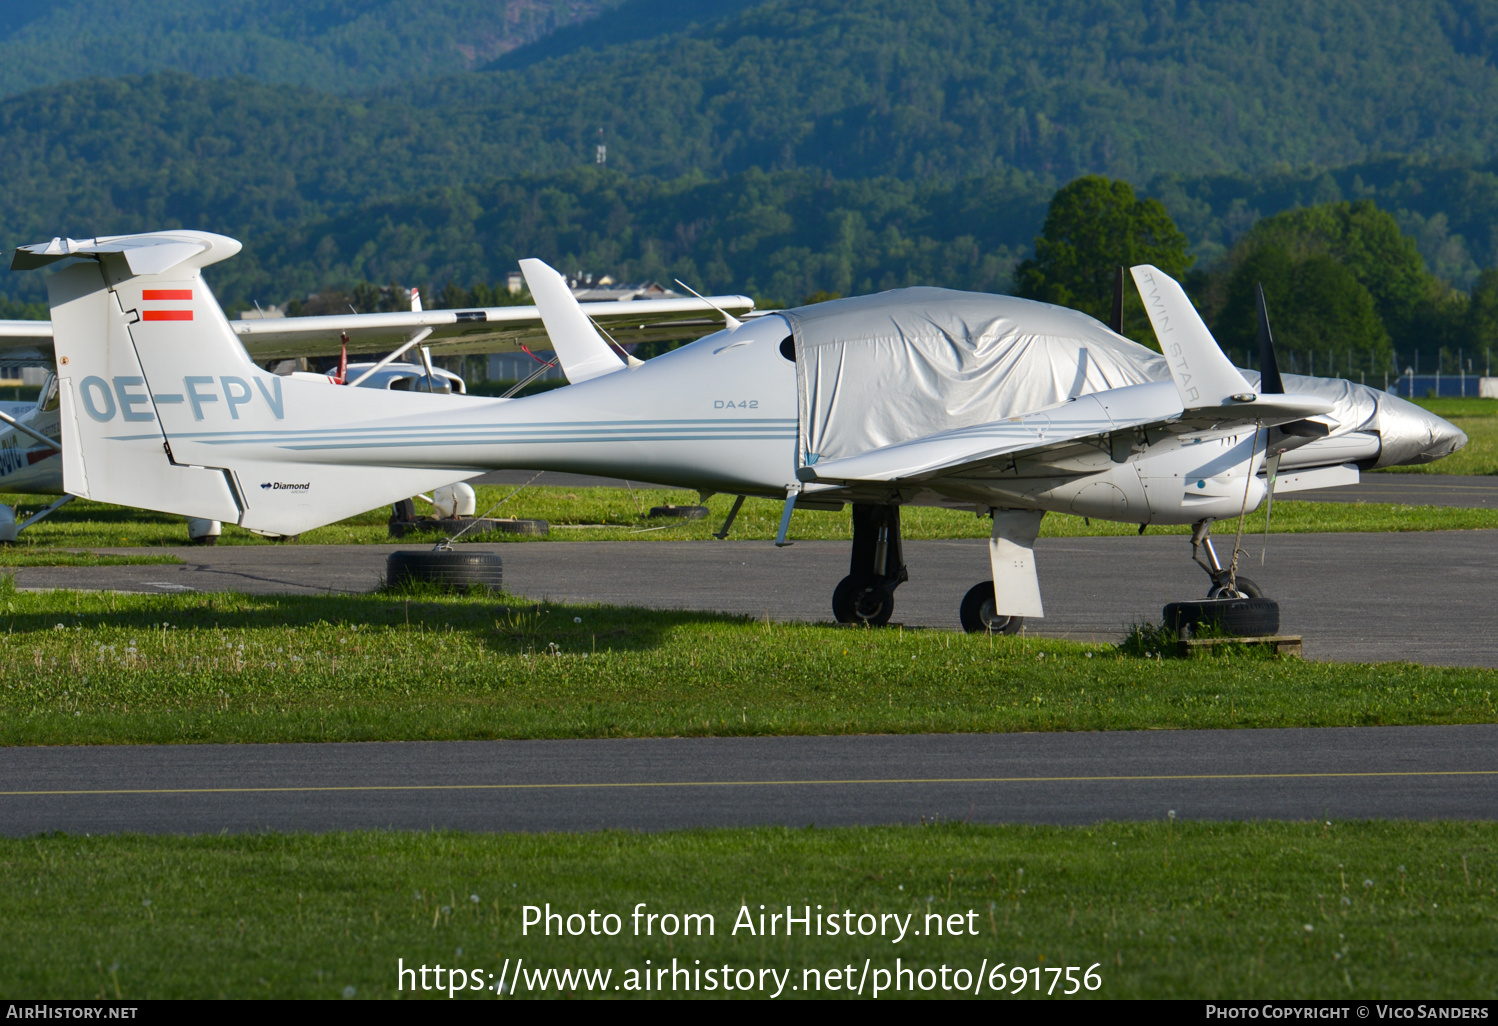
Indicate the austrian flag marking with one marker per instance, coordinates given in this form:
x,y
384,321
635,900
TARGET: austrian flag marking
x,y
158,295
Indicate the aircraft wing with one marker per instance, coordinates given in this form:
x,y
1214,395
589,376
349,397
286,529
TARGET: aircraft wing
x,y
1096,415
25,342
503,329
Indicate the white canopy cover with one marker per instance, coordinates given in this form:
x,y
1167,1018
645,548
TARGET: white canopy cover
x,y
875,370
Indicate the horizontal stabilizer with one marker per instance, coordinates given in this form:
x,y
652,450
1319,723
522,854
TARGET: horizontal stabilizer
x,y
147,253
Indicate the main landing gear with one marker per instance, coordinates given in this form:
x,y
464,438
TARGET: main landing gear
x,y
867,594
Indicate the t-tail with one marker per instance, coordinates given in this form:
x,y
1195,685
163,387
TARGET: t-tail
x,y
163,409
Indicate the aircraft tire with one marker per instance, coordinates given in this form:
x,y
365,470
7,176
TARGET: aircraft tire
x,y
451,571
1241,617
679,512
862,600
1244,585
978,615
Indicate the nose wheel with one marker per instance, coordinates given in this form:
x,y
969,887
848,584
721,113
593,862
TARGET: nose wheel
x,y
1226,583
876,569
1234,605
979,615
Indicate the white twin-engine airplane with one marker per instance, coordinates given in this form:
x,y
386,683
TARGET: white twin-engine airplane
x,y
988,403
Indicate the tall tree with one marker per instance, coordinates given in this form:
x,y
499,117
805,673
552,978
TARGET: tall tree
x,y
1323,317
1093,225
1378,300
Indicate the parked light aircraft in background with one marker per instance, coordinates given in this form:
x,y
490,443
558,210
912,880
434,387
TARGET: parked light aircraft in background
x,y
987,403
30,462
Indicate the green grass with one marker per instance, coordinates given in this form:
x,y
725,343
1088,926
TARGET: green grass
x,y
1479,419
93,668
42,556
616,514
1166,910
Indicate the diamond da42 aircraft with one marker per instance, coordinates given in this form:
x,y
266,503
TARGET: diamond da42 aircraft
x,y
998,405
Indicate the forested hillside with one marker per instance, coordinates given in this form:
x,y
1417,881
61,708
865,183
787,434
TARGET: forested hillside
x,y
778,148
949,90
334,45
778,236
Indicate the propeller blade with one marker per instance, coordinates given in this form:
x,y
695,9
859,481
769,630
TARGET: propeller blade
x,y
1269,368
1116,321
1271,471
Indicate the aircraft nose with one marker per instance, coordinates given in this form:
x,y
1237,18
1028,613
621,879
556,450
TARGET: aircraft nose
x,y
1411,435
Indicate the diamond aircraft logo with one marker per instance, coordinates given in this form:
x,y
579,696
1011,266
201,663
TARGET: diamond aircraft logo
x,y
282,486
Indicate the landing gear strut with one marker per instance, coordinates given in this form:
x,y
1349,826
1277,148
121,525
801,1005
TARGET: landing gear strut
x,y
1225,584
877,568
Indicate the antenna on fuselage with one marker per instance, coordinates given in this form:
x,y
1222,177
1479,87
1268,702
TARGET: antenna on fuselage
x,y
729,320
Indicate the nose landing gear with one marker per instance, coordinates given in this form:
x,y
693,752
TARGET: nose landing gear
x,y
877,567
1225,582
1234,605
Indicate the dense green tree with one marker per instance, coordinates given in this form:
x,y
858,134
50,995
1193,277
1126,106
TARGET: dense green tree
x,y
1321,313
1093,226
1368,242
777,237
1482,318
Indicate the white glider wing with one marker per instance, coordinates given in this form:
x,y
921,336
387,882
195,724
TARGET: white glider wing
x,y
500,329
25,342
503,329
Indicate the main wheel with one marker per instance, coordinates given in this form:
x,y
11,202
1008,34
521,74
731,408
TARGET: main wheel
x,y
457,571
1245,589
980,616
1241,617
679,512
861,600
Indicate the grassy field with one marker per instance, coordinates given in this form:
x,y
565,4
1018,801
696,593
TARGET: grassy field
x,y
616,514
86,668
1299,910
26,555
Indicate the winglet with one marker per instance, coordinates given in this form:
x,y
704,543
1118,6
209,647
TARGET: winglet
x,y
583,352
1202,372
